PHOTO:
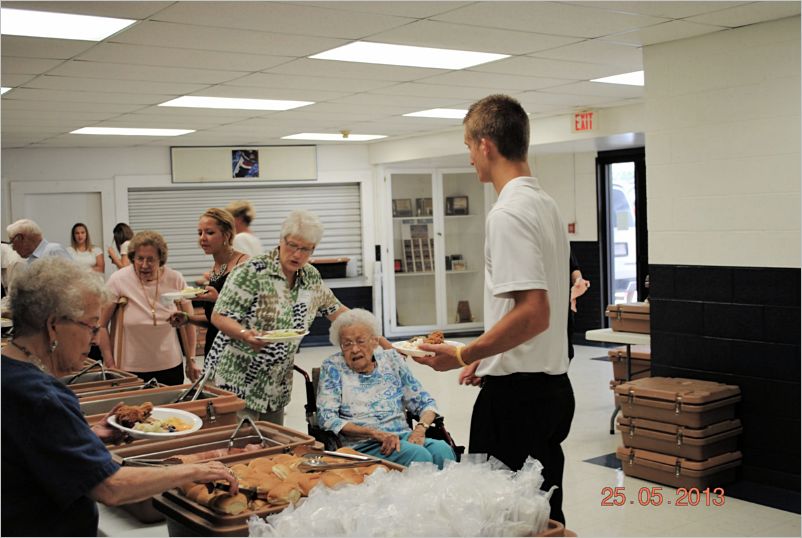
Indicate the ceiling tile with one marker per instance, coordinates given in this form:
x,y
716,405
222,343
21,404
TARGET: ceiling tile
x,y
598,51
121,53
87,97
122,10
668,10
467,37
185,36
330,68
543,67
55,106
434,90
414,9
659,33
36,47
271,80
253,92
415,102
749,14
541,99
493,80
548,18
114,85
82,68
12,81
286,18
27,66
600,89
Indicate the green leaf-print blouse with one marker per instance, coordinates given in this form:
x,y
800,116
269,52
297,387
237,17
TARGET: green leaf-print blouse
x,y
256,295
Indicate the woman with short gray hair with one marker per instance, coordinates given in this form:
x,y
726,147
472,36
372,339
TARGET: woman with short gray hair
x,y
277,290
51,456
364,393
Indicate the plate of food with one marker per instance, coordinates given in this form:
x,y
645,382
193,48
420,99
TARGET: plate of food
x,y
279,336
148,422
185,294
6,322
410,347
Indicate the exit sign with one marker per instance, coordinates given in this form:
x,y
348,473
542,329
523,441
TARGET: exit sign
x,y
584,121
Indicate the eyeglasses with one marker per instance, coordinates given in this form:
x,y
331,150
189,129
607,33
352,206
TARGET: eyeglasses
x,y
295,247
142,259
17,238
93,328
359,342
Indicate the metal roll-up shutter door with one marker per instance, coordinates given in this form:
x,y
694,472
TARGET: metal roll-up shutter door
x,y
174,212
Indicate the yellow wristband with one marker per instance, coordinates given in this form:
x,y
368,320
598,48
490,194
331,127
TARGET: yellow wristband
x,y
459,357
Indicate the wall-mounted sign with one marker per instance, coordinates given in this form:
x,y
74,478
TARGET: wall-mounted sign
x,y
584,121
243,163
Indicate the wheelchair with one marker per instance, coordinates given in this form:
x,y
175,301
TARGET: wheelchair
x,y
329,439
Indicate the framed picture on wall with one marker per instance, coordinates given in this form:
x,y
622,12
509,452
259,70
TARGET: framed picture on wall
x,y
402,207
244,163
457,205
423,207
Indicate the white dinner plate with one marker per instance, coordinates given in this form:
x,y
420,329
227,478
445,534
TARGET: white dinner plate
x,y
6,322
405,348
185,294
163,413
279,336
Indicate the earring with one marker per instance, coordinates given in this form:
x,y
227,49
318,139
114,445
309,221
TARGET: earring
x,y
53,345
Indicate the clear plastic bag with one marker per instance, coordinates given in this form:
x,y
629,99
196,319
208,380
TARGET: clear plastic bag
x,y
476,497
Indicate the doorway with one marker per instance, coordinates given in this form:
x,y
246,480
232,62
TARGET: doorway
x,y
623,243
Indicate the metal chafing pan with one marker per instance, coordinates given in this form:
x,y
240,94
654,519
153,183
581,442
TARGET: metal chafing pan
x,y
216,407
94,379
119,390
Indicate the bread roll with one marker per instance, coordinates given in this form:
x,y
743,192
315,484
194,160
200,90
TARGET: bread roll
x,y
202,495
261,464
184,488
281,470
230,504
265,482
257,504
285,492
332,479
350,476
240,469
307,481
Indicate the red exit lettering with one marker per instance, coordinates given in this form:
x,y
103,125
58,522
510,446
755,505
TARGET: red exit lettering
x,y
583,121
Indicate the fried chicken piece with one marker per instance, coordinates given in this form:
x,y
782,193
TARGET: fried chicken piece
x,y
435,337
129,415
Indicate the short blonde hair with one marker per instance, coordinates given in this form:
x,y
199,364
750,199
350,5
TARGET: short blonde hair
x,y
52,286
304,224
148,238
224,220
242,209
355,316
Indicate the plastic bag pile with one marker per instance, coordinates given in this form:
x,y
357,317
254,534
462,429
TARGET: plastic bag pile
x,y
471,498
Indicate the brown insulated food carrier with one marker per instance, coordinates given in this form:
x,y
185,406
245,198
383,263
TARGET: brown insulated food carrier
x,y
188,518
629,317
93,380
640,358
679,472
215,406
692,443
555,528
686,402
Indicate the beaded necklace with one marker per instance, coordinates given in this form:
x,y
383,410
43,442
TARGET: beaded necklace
x,y
36,361
155,301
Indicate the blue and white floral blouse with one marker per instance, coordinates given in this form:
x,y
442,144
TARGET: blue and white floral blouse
x,y
376,400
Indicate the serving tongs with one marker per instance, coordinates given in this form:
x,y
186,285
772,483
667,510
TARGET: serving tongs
x,y
86,369
313,459
168,457
197,386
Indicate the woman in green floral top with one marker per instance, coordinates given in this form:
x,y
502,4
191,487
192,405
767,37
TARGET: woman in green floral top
x,y
277,290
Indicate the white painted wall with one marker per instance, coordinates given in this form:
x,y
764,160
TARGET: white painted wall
x,y
723,147
570,178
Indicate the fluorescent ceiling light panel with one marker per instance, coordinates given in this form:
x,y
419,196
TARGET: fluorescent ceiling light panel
x,y
123,131
333,136
407,55
450,113
59,25
4,90
193,101
631,79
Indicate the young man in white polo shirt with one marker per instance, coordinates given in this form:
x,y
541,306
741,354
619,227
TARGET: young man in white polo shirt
x,y
526,403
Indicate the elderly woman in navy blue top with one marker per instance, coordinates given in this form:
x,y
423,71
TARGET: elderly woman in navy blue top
x,y
54,466
364,393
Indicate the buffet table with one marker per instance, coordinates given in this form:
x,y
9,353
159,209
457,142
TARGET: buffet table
x,y
619,337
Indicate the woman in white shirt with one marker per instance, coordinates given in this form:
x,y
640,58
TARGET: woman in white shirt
x,y
83,251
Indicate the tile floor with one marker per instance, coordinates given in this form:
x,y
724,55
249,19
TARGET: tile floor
x,y
583,482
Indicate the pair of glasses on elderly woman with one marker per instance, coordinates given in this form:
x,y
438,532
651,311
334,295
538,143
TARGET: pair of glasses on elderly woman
x,y
93,328
295,247
346,345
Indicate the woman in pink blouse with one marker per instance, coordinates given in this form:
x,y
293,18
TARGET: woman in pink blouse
x,y
150,346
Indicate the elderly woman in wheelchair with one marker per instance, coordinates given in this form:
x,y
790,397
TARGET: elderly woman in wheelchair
x,y
365,391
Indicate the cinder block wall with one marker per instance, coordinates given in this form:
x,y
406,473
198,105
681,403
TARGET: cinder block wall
x,y
723,166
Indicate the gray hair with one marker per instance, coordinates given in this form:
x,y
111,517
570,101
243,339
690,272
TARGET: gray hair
x,y
52,286
26,227
355,316
304,224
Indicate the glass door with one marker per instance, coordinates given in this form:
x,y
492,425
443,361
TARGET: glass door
x,y
414,250
622,187
463,248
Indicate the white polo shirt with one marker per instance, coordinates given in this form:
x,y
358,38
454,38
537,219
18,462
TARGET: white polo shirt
x,y
526,248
